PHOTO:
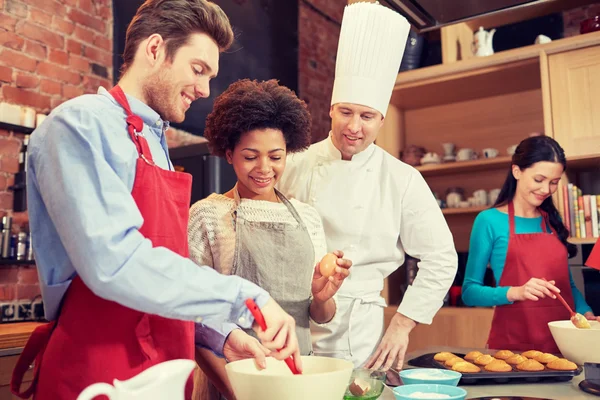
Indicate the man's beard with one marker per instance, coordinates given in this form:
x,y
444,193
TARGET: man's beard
x,y
158,92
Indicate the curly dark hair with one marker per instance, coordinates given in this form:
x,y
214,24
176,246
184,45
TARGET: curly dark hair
x,y
247,105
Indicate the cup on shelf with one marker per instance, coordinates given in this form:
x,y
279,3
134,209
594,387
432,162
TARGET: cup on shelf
x,y
490,153
480,198
465,154
511,149
493,195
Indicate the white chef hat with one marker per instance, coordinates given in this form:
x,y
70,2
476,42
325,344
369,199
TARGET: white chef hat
x,y
370,49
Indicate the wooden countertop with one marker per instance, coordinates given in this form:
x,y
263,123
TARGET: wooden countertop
x,y
16,334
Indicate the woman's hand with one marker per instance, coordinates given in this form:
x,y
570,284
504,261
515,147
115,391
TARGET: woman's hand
x,y
590,316
533,290
324,288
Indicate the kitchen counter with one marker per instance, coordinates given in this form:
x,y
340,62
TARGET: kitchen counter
x,y
15,335
556,391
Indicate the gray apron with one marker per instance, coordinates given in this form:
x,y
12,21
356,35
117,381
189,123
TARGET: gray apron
x,y
279,258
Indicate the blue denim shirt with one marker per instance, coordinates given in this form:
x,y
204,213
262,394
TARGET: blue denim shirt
x,y
84,221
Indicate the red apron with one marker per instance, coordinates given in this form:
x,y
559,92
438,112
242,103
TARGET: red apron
x,y
97,340
523,325
593,260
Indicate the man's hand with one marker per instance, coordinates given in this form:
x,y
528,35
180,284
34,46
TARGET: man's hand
x,y
324,288
280,336
239,346
391,350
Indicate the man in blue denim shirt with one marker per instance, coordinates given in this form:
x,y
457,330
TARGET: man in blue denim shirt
x,y
81,173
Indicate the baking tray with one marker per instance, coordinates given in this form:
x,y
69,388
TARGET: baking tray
x,y
483,377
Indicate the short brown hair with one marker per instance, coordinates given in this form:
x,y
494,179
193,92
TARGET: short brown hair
x,y
175,21
248,105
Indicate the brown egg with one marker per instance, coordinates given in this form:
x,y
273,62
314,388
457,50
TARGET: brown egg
x,y
328,264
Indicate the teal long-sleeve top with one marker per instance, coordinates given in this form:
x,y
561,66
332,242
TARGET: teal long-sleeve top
x,y
489,244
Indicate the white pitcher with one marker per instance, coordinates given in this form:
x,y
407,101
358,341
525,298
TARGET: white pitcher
x,y
162,381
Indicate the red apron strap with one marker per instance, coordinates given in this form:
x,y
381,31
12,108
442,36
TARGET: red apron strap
x,y
32,354
511,218
135,125
593,260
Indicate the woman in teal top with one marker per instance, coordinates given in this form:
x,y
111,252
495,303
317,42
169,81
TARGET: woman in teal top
x,y
524,241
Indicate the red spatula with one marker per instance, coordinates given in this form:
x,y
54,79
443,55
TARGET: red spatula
x,y
577,319
260,320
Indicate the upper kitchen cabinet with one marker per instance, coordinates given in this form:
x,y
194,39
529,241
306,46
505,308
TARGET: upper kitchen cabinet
x,y
574,89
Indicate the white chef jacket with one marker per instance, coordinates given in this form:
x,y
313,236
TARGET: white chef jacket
x,y
374,208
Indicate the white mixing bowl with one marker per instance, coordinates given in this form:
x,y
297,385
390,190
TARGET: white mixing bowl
x,y
322,378
577,345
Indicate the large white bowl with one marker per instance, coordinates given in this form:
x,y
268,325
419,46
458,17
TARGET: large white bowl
x,y
577,345
323,378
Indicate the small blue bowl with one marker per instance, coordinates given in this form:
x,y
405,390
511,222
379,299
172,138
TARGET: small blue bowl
x,y
407,392
430,376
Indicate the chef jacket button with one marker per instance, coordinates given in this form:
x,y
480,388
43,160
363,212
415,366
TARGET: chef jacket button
x,y
158,123
198,320
242,320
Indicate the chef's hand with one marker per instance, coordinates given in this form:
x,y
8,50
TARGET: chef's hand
x,y
239,346
324,288
590,316
280,336
534,290
392,348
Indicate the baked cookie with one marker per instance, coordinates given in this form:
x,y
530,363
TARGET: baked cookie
x,y
498,366
444,356
503,354
562,364
545,358
465,367
484,359
472,355
452,361
532,354
530,365
516,359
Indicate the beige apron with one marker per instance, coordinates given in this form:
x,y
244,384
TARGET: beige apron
x,y
279,258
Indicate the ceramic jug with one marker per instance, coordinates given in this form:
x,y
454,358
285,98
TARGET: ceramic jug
x,y
482,42
162,381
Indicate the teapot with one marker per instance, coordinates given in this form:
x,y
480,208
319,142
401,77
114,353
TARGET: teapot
x,y
161,381
482,42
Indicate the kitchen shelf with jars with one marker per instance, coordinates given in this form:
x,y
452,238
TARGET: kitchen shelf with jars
x,y
461,120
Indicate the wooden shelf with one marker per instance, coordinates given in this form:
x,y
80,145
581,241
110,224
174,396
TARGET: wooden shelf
x,y
509,71
583,162
466,210
464,166
583,241
15,128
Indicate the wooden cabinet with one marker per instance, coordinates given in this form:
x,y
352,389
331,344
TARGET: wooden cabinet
x,y
454,327
575,100
496,102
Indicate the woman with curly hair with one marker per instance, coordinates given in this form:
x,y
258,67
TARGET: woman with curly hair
x,y
253,231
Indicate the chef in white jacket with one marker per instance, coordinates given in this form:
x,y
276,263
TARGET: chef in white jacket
x,y
374,207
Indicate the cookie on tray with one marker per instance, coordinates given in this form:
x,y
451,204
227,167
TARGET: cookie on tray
x,y
472,355
516,359
444,356
530,366
452,361
465,367
484,359
562,364
545,358
498,366
531,353
503,354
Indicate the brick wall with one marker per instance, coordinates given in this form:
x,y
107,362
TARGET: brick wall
x,y
318,30
50,51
